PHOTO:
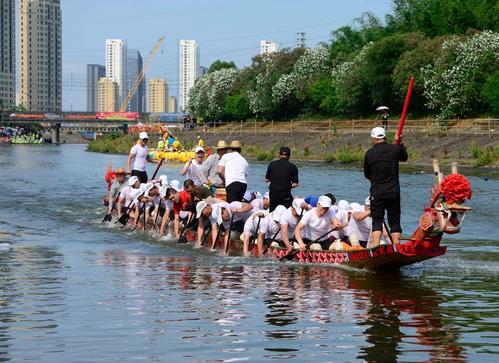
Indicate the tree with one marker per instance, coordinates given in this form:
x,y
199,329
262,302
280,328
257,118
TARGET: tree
x,y
491,92
237,107
219,64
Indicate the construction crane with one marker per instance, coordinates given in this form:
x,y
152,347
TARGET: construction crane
x,y
142,73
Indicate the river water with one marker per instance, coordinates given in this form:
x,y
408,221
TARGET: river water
x,y
74,290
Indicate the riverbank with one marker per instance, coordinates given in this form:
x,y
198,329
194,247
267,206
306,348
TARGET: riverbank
x,y
469,149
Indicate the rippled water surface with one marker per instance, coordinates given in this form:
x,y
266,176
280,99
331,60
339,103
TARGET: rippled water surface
x,y
74,290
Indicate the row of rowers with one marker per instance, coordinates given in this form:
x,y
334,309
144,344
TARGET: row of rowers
x,y
315,222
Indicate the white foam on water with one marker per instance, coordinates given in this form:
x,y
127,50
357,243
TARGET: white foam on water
x,y
4,246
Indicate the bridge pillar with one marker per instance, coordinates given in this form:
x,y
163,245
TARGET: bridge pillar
x,y
56,133
125,129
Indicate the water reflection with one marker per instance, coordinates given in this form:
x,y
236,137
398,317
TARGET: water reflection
x,y
31,298
395,315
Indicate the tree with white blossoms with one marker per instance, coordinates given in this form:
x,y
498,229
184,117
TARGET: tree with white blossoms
x,y
453,85
208,96
313,64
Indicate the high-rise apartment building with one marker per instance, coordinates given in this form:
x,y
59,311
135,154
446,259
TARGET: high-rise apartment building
x,y
268,47
116,65
94,73
172,104
40,77
7,54
157,98
189,70
107,95
133,68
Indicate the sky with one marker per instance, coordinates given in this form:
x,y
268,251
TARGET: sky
x,y
230,30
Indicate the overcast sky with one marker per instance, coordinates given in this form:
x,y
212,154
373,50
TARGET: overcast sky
x,y
225,29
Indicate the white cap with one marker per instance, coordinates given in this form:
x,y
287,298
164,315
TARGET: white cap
x,y
164,180
324,201
378,133
198,149
356,207
343,204
133,180
199,208
143,135
367,201
267,195
297,205
278,212
175,184
247,196
135,194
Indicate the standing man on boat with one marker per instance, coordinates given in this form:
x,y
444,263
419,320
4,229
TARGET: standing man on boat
x,y
381,167
210,167
138,156
282,176
193,169
233,169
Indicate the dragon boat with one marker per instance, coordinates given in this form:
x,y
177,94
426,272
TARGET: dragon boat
x,y
443,215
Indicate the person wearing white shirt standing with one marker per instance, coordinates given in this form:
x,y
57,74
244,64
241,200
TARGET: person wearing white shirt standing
x,y
138,156
233,169
317,222
193,169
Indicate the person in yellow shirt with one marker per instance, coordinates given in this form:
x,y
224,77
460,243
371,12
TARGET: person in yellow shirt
x,y
176,145
200,142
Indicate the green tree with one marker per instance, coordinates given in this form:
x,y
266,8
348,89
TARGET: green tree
x,y
321,97
491,92
219,64
237,107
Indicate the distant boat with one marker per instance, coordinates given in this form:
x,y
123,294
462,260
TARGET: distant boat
x,y
88,135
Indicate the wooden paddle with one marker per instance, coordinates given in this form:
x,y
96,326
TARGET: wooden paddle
x,y
157,169
252,238
271,240
388,231
229,232
108,217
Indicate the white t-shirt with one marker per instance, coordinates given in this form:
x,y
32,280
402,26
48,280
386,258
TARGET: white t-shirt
x,y
236,168
270,227
290,222
342,216
252,222
195,173
362,228
126,194
140,157
316,227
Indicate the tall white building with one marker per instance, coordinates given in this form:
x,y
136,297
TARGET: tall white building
x,y
189,70
268,47
116,65
7,54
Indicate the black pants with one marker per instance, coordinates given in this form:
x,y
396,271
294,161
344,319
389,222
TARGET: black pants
x,y
280,197
392,207
235,191
142,175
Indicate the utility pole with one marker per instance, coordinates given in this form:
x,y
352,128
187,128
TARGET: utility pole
x,y
300,40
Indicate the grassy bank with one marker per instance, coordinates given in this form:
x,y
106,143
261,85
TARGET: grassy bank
x,y
345,148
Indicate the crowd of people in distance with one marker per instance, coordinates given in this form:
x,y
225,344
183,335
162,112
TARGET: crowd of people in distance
x,y
214,199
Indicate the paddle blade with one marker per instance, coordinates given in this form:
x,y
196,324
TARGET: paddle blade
x,y
124,219
290,256
182,239
107,218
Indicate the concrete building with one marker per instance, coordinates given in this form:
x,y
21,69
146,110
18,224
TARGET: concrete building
x,y
268,47
133,67
116,65
172,104
94,73
40,76
157,98
7,54
189,70
203,71
107,95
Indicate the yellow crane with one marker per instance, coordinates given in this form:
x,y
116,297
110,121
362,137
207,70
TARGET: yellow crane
x,y
142,73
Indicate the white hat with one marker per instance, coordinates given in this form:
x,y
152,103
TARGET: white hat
x,y
148,188
135,194
367,201
297,205
198,150
175,184
378,133
247,196
356,207
164,180
199,208
324,201
133,180
343,204
162,191
278,212
143,135
266,195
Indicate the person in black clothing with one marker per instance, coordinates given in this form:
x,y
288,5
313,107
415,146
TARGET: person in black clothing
x,y
381,167
282,176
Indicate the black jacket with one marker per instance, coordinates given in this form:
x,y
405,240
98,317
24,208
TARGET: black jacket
x,y
381,167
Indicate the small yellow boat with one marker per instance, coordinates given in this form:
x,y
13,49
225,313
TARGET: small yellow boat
x,y
172,156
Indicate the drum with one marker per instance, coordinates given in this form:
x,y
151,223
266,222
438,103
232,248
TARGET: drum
x,y
221,193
